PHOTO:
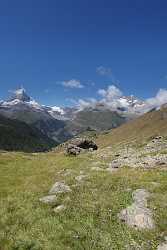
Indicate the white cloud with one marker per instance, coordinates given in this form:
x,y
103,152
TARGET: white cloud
x,y
90,102
73,83
158,100
113,98
103,71
111,93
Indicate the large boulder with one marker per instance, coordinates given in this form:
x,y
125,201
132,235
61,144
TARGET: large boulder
x,y
78,145
73,150
86,144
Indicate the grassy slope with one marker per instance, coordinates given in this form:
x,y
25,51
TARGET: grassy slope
x,y
141,129
90,221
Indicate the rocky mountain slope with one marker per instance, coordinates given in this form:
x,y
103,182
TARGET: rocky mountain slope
x,y
19,136
94,119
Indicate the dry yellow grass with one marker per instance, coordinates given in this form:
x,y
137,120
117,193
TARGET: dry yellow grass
x,y
140,129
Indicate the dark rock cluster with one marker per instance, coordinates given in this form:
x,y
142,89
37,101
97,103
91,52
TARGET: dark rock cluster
x,y
78,145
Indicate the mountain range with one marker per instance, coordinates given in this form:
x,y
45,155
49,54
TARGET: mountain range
x,y
60,124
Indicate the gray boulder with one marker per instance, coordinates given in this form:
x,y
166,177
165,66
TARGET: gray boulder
x,y
138,215
59,187
49,199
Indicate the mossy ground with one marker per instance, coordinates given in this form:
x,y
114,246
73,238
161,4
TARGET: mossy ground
x,y
90,221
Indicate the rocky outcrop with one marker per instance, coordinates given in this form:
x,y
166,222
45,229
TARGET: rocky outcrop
x,y
79,145
73,150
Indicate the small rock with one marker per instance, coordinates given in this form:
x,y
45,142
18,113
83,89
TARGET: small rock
x,y
59,187
49,199
59,208
114,164
80,177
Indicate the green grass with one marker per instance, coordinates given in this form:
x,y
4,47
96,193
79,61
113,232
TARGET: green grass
x,y
90,221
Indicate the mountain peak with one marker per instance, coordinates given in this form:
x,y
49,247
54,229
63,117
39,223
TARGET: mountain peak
x,y
20,94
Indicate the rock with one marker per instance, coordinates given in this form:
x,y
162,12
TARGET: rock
x,y
59,187
162,246
49,199
114,164
80,178
85,144
91,149
59,208
73,150
78,145
138,215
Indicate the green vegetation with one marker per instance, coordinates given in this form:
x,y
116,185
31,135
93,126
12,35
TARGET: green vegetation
x,y
18,136
90,220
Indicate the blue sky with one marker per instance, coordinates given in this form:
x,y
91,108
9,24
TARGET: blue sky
x,y
49,45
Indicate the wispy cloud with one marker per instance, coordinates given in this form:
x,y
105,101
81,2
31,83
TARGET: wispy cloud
x,y
103,71
73,83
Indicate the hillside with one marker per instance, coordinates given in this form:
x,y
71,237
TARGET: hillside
x,y
18,136
141,129
97,120
112,198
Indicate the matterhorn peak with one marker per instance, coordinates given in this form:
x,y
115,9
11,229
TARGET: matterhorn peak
x,y
20,94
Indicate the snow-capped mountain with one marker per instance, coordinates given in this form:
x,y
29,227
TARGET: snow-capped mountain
x,y
130,104
125,105
50,121
61,124
20,98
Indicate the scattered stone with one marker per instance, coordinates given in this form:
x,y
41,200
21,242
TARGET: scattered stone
x,y
138,215
59,208
59,187
49,199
